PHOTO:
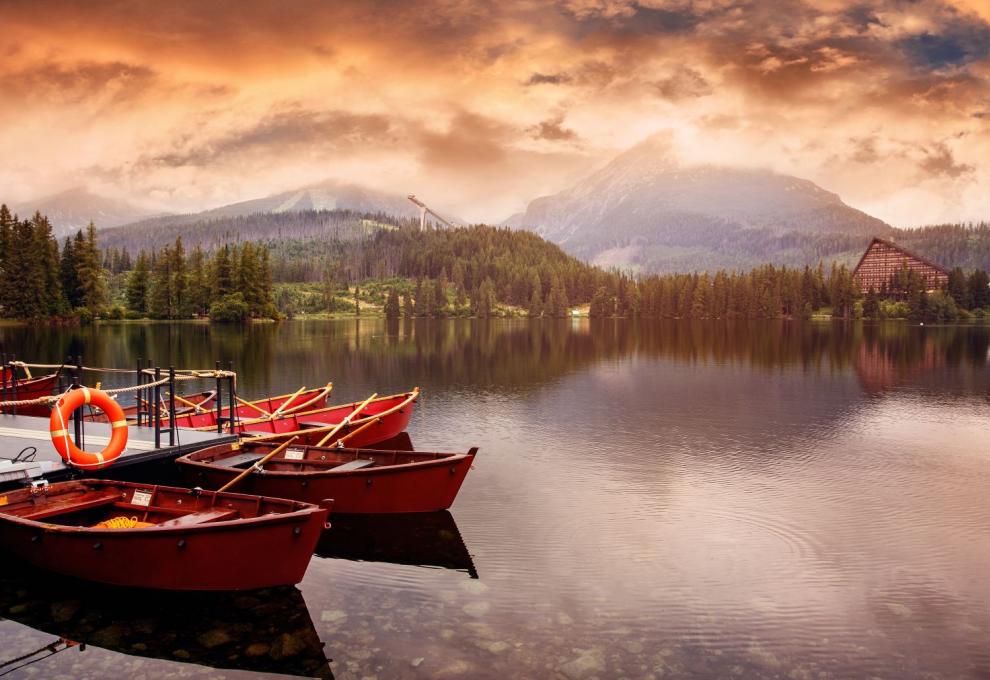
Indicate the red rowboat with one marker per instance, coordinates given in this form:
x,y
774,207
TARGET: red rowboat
x,y
358,480
205,403
27,389
160,537
379,419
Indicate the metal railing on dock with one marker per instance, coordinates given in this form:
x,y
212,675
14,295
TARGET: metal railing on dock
x,y
151,407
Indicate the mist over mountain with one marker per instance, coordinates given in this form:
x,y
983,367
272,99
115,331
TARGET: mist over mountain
x,y
645,212
75,208
329,210
326,195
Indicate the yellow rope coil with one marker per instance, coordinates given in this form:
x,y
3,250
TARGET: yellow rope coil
x,y
122,523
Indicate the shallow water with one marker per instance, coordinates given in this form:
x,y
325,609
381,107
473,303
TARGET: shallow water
x,y
652,500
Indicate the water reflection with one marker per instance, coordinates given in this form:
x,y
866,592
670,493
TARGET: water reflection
x,y
264,631
470,352
428,539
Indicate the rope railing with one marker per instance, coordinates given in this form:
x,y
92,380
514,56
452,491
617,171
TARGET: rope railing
x,y
48,399
185,373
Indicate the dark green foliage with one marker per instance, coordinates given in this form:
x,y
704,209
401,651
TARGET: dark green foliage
x,y
392,310
137,285
979,289
230,308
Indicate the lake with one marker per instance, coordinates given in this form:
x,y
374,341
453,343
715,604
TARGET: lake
x,y
709,500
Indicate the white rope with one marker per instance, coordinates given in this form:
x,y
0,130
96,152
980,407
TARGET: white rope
x,y
185,373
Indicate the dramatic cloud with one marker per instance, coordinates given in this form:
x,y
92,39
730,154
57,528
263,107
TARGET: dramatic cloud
x,y
185,105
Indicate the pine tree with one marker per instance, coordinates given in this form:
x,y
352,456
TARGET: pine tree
x,y
161,297
392,304
180,304
557,304
599,304
137,285
6,234
408,309
90,272
46,255
484,303
199,289
67,269
958,287
221,274
979,289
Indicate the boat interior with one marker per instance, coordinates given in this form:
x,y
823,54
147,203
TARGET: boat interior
x,y
117,505
302,458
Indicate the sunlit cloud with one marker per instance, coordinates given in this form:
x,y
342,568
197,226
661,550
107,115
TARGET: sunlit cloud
x,y
482,106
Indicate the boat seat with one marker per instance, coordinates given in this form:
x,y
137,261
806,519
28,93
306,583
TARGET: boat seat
x,y
212,515
239,459
354,465
73,503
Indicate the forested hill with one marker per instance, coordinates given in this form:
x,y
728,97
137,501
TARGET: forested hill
x,y
195,230
294,237
950,245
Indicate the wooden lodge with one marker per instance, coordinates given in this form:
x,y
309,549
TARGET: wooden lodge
x,y
884,259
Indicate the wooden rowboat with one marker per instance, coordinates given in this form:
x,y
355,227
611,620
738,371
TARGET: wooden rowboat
x,y
167,538
358,480
27,389
379,419
201,404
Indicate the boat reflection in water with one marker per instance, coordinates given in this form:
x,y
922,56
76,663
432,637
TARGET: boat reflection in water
x,y
425,539
265,631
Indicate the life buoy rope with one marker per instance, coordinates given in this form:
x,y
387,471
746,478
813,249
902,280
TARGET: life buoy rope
x,y
66,448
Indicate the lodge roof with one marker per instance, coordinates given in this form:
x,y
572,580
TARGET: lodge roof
x,y
903,251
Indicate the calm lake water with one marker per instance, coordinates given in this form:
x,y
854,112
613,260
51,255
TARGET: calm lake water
x,y
775,500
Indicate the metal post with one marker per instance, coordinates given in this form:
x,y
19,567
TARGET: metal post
x,y
13,381
219,400
171,405
158,408
148,410
4,361
77,419
137,395
230,396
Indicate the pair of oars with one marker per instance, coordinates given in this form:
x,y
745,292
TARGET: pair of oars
x,y
282,447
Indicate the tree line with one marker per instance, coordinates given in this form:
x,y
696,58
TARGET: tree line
x,y
477,271
39,279
231,283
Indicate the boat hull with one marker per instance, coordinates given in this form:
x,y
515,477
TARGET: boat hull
x,y
244,554
425,486
31,388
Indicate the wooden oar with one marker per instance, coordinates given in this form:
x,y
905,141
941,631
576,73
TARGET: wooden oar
x,y
373,421
257,408
183,400
257,466
346,421
276,412
298,407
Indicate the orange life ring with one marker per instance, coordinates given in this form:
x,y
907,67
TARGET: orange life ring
x,y
58,426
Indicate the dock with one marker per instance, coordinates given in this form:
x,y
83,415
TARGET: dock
x,y
19,465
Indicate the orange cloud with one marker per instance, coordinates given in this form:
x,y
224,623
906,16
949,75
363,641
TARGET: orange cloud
x,y
185,104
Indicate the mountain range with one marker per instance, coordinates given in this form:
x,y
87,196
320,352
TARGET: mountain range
x,y
645,212
641,212
75,208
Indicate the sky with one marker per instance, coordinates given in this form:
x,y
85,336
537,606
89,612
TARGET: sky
x,y
478,107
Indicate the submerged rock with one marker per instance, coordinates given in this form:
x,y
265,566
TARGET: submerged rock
x,y
586,664
214,638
